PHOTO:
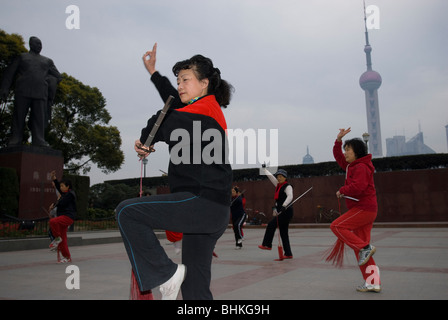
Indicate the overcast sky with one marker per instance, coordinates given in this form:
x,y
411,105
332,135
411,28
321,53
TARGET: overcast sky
x,y
295,64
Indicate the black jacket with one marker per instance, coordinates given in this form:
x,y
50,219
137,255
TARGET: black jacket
x,y
281,199
198,162
66,205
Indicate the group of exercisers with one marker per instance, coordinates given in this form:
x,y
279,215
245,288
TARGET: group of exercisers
x,y
202,196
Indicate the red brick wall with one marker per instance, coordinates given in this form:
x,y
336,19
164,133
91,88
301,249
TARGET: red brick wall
x,y
403,196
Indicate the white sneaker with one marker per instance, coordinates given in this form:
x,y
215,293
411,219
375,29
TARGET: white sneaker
x,y
65,260
365,254
369,288
54,244
170,289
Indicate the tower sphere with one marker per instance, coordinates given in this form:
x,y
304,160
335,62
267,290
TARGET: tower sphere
x,y
370,80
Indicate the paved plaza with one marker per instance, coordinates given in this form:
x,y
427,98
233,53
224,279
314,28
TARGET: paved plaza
x,y
413,263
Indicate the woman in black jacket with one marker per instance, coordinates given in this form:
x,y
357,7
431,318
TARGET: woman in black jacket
x,y
199,178
65,216
238,216
282,214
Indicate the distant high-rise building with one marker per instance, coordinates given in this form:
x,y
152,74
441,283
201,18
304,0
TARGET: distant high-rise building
x,y
370,81
397,146
446,127
308,159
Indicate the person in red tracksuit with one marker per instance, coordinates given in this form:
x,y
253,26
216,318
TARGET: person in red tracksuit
x,y
66,213
354,226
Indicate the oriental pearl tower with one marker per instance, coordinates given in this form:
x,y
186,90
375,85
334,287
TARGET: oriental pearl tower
x,y
370,81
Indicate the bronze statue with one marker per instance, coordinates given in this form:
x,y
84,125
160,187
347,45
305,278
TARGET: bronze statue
x,y
37,78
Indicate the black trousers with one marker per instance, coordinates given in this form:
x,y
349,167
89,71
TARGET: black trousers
x,y
237,222
37,119
202,223
283,224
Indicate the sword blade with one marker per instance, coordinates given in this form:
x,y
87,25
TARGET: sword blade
x,y
299,197
156,126
354,199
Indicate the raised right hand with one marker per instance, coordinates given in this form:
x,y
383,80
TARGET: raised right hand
x,y
149,59
342,133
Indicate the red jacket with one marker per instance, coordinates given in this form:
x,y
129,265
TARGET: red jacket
x,y
359,182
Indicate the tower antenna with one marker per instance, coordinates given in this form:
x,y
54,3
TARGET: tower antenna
x,y
365,24
370,81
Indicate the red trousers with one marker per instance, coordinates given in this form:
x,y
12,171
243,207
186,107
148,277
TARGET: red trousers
x,y
173,236
353,229
59,226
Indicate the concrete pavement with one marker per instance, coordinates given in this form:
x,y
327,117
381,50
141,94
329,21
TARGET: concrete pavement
x,y
413,263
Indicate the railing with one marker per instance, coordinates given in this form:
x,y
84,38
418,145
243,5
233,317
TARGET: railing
x,y
12,227
325,215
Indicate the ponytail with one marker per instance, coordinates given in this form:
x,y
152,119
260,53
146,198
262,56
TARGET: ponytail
x,y
204,69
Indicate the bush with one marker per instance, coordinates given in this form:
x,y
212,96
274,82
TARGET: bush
x,y
9,191
98,213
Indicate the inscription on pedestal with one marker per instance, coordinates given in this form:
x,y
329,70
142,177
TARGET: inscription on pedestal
x,y
33,166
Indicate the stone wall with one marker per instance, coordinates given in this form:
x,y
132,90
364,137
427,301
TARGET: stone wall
x,y
403,196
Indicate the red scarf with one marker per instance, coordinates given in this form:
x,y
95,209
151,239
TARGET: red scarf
x,y
277,190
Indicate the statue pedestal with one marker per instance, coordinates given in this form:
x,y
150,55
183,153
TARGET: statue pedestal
x,y
33,166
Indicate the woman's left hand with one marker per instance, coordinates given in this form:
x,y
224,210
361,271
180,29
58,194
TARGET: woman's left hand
x,y
141,150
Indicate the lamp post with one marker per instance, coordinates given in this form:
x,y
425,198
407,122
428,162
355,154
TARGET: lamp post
x,y
365,137
145,162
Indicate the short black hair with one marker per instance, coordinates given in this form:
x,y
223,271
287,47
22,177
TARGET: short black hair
x,y
358,146
68,183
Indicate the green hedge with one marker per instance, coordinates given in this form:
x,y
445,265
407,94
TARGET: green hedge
x,y
9,191
81,185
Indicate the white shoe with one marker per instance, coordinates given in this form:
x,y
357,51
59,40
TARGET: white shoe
x,y
170,289
365,254
369,288
65,260
54,244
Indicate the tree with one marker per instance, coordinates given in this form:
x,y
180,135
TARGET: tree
x,y
11,45
9,191
107,196
79,122
78,128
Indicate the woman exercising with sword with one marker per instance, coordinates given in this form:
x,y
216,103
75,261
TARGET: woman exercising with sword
x,y
353,227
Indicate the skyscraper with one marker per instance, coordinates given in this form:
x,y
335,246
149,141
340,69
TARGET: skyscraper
x,y
446,127
308,159
370,81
